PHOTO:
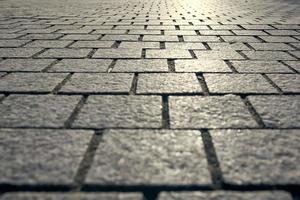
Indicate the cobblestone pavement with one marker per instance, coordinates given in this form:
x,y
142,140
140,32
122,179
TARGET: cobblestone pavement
x,y
156,99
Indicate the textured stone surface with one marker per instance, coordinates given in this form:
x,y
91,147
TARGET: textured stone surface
x,y
36,111
274,195
81,65
153,157
30,82
200,65
18,52
65,53
118,53
141,66
246,156
165,53
287,82
11,65
121,111
98,83
238,83
259,66
218,55
209,112
72,196
168,83
278,111
41,156
268,55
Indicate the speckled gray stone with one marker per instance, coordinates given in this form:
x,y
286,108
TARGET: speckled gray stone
x,y
294,64
30,82
48,43
11,65
155,157
36,110
184,45
228,46
199,65
287,82
18,52
141,65
98,83
218,55
81,65
278,111
260,66
40,156
209,112
238,83
268,55
121,111
167,53
271,46
221,195
65,53
92,44
118,53
72,196
258,156
168,83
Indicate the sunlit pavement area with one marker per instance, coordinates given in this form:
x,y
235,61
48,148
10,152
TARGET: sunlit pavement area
x,y
149,99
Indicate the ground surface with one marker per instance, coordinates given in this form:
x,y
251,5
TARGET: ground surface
x,y
156,99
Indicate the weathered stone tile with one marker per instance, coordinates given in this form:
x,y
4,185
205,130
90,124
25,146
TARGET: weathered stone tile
x,y
98,83
180,32
118,53
278,111
36,110
249,32
222,195
18,52
160,38
98,32
201,38
185,45
12,43
65,53
40,156
256,26
224,27
271,46
80,37
227,46
294,64
72,196
196,65
260,66
218,55
48,43
81,65
209,112
92,44
50,36
10,35
203,27
240,39
11,65
152,157
248,156
121,37
283,32
287,82
215,32
268,55
141,65
30,82
278,39
287,26
296,54
139,45
168,83
167,53
121,111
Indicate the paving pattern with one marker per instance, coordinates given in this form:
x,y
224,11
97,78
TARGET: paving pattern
x,y
154,100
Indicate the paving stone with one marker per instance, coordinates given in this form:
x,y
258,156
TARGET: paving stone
x,y
268,55
160,38
11,65
193,27
271,46
218,55
286,82
186,45
18,52
247,156
180,32
240,39
201,38
201,66
48,43
98,83
278,39
296,54
215,32
36,110
278,111
167,53
256,26
72,196
92,44
227,46
209,112
224,27
80,37
249,32
50,36
30,82
121,37
65,53
260,66
40,156
12,43
286,26
168,83
282,32
81,65
140,45
121,111
294,64
152,157
10,35
238,83
221,195
98,32
141,65
118,53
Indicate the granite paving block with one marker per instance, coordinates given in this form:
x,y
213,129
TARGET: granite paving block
x,y
201,65
260,66
13,65
286,82
141,65
81,65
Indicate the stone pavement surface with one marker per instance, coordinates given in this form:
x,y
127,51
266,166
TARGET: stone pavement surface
x,y
156,99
